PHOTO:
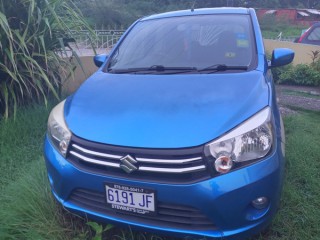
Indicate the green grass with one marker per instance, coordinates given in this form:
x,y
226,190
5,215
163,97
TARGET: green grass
x,y
298,217
21,142
299,93
292,31
28,211
271,28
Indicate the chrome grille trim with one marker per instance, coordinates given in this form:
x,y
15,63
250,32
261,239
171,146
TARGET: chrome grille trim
x,y
97,155
139,159
167,161
90,160
173,170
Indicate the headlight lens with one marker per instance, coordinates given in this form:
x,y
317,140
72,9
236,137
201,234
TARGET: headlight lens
x,y
58,131
251,140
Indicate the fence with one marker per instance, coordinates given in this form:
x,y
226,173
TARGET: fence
x,y
105,39
282,38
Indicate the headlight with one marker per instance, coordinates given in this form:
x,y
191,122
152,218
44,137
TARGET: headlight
x,y
58,131
251,140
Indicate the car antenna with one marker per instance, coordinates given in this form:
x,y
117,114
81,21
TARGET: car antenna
x,y
192,7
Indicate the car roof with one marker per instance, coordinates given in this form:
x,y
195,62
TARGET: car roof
x,y
200,11
315,24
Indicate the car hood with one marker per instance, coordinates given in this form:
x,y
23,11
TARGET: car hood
x,y
163,111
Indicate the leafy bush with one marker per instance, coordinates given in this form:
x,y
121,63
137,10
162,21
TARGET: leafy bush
x,y
278,71
32,40
301,74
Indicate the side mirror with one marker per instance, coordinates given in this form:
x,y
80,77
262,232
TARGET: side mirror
x,y
281,57
100,59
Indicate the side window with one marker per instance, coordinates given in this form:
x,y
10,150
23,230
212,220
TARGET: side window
x,y
314,35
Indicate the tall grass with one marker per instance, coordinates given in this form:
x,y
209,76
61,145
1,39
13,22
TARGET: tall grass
x,y
21,141
30,212
298,216
27,207
33,37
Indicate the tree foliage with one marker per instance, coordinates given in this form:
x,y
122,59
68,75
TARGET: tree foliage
x,y
32,39
110,13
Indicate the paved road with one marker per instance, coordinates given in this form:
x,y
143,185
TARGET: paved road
x,y
289,97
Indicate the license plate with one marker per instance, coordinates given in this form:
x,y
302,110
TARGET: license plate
x,y
130,199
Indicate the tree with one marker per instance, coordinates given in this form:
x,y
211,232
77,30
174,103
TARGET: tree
x,y
124,12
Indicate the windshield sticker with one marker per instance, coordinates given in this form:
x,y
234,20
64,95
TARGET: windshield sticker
x,y
242,40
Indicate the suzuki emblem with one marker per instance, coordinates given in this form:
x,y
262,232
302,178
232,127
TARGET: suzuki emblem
x,y
128,164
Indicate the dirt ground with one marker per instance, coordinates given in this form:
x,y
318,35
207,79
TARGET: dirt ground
x,y
292,97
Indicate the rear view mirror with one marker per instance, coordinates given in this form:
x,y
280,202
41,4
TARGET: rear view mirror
x,y
281,57
100,59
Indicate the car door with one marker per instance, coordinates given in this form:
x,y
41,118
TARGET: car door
x,y
313,36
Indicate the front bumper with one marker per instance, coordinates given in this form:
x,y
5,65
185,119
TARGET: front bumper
x,y
225,200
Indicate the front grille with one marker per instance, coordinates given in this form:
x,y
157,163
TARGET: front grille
x,y
173,165
168,215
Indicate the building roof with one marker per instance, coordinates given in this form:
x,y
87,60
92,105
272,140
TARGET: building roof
x,y
270,11
303,14
313,11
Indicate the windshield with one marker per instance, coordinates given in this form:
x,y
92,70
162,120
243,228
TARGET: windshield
x,y
190,42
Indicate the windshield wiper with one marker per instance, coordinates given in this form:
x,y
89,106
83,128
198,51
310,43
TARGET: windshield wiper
x,y
160,69
222,67
173,70
154,68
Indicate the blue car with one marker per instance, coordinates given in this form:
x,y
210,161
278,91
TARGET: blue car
x,y
178,132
